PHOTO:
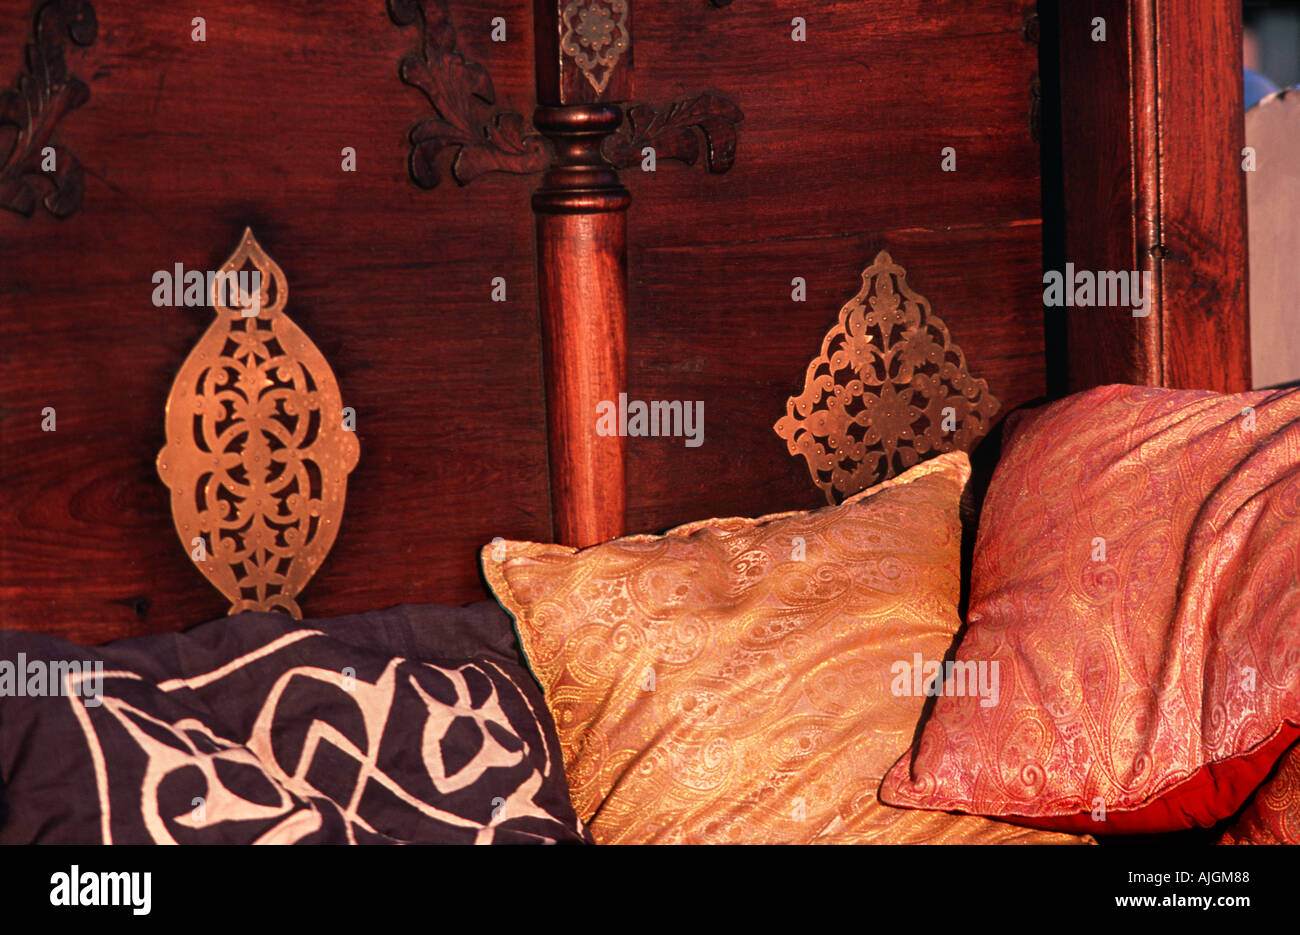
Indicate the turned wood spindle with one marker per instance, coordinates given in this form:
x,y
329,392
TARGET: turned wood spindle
x,y
581,210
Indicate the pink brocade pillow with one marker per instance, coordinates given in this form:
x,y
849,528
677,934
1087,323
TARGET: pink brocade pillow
x,y
1136,586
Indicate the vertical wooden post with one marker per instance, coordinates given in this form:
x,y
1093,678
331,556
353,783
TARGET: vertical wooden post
x,y
584,66
1152,134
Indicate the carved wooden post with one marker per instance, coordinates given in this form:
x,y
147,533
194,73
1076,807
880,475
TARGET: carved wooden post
x,y
584,66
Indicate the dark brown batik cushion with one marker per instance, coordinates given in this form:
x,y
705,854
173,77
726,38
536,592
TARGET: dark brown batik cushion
x,y
416,724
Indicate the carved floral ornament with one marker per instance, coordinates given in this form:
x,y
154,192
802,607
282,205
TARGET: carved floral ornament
x,y
889,389
258,454
46,91
470,136
465,121
595,36
674,132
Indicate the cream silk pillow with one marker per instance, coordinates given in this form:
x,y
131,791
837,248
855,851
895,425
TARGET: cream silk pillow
x,y
739,680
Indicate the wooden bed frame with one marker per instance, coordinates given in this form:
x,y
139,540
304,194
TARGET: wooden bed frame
x,y
476,339
260,445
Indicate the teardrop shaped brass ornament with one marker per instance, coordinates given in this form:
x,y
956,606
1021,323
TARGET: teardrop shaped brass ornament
x,y
889,390
257,455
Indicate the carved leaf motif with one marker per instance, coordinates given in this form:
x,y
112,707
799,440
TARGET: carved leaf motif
x,y
505,134
876,399
257,455
674,132
458,89
45,92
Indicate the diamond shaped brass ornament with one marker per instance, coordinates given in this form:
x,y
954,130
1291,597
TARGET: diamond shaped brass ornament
x,y
257,455
889,389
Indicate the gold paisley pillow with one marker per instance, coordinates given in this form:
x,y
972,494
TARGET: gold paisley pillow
x,y
734,680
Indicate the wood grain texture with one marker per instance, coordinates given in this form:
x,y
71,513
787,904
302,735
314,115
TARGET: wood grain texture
x,y
581,212
1151,150
184,144
583,59
840,156
1203,271
744,365
1097,127
583,289
846,130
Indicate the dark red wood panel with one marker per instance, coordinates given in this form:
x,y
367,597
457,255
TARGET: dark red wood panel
x,y
744,349
1152,134
1204,271
839,155
183,144
1101,225
846,130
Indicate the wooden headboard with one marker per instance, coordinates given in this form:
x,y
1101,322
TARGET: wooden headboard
x,y
461,195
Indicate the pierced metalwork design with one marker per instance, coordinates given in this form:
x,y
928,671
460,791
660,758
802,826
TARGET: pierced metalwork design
x,y
257,455
595,37
889,389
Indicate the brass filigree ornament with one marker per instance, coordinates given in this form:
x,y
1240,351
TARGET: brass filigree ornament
x,y
257,455
889,389
595,37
